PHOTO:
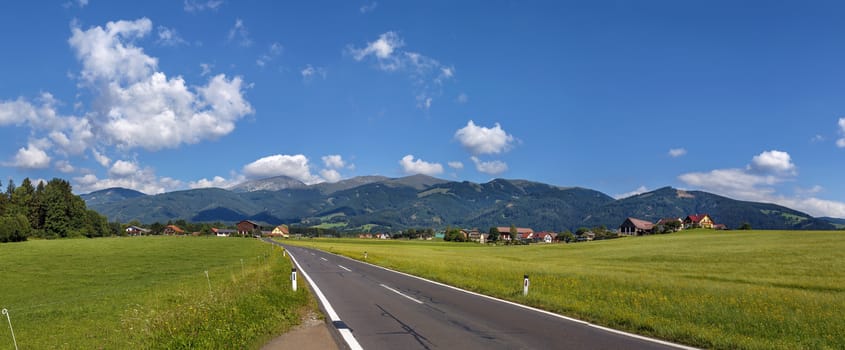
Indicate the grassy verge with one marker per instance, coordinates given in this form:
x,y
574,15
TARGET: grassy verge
x,y
147,292
736,290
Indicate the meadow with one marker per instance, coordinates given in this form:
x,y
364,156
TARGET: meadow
x,y
720,290
146,292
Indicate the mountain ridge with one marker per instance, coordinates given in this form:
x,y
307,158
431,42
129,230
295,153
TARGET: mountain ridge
x,y
382,203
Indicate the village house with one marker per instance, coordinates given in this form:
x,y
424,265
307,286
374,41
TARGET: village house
x,y
675,224
137,231
280,231
247,228
522,232
544,237
220,232
698,221
173,230
636,227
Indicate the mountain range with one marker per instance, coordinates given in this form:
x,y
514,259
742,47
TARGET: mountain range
x,y
377,203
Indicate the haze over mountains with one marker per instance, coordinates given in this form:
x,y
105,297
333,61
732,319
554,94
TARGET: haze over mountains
x,y
378,203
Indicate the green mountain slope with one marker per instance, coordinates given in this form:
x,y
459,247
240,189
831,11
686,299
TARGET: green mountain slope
x,y
420,201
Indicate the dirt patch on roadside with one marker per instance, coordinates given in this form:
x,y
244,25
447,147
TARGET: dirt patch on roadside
x,y
312,334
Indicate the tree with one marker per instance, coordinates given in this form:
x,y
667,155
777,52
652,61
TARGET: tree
x,y
514,233
566,237
493,234
745,226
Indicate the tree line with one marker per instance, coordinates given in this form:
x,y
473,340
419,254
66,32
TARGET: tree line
x,y
46,210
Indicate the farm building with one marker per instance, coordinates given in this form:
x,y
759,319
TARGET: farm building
x,y
698,221
246,228
280,231
523,232
173,230
137,231
636,227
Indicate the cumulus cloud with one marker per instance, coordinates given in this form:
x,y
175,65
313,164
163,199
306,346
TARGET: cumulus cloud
x,y
197,6
134,105
205,68
295,166
482,140
494,167
677,152
456,165
757,182
462,98
639,190
334,161
139,106
330,175
419,166
427,74
123,168
772,162
31,157
216,182
841,142
239,34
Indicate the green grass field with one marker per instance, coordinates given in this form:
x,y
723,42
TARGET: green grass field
x,y
146,292
722,290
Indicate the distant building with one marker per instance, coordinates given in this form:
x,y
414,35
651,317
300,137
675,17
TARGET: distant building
x,y
280,231
173,230
522,232
137,231
246,228
636,227
220,232
698,221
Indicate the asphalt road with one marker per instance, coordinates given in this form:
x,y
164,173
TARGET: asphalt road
x,y
389,310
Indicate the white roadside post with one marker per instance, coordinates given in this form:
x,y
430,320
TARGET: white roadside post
x,y
525,284
293,278
6,312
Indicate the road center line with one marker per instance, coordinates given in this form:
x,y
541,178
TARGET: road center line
x,y
402,294
343,267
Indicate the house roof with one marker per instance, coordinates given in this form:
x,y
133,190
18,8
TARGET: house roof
x,y
174,228
668,220
641,224
282,229
696,217
519,230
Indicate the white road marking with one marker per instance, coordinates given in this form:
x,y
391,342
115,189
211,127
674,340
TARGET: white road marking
x,y
402,294
346,333
324,259
343,267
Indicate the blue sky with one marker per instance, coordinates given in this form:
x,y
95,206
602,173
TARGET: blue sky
x,y
743,99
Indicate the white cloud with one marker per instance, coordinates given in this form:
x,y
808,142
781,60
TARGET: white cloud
x,y
273,51
240,34
138,106
456,165
101,158
772,162
639,190
80,3
295,166
205,68
31,157
494,167
756,183
368,7
64,166
481,140
217,181
196,6
144,180
330,175
334,161
841,142
411,166
123,169
677,152
426,73
169,37
309,72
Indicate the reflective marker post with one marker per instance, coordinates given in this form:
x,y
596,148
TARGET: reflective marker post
x,y
293,278
525,284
